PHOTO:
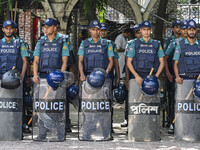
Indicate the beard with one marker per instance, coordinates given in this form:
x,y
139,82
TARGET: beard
x,y
192,36
8,36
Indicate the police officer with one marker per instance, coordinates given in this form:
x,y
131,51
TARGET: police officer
x,y
94,52
103,34
137,32
12,51
148,49
51,53
186,57
170,72
105,62
176,31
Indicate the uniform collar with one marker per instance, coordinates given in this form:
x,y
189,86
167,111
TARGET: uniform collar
x,y
4,40
142,40
195,42
91,40
173,37
55,38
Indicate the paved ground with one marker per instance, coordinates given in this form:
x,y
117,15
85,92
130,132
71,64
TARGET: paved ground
x,y
120,141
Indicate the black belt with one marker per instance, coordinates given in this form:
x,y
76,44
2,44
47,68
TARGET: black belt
x,y
46,72
189,77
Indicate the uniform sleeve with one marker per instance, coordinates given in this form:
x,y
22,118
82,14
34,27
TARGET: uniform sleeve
x,y
170,48
81,49
177,52
116,56
130,50
118,42
24,50
166,44
160,51
37,49
69,44
110,50
65,49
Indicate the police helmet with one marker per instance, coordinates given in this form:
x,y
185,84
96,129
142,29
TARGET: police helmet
x,y
72,91
150,85
11,79
120,93
196,89
54,79
95,80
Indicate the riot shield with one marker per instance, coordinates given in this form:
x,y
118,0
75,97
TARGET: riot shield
x,y
187,113
95,113
48,113
143,117
11,105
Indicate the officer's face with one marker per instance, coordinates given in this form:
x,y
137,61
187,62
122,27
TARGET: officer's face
x,y
146,32
15,31
177,29
103,33
8,31
94,32
192,33
138,34
49,30
184,32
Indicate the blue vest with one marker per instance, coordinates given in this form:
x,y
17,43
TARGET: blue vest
x,y
50,55
189,62
10,56
146,57
95,55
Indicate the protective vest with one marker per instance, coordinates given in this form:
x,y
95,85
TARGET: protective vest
x,y
189,62
146,57
95,55
50,55
10,56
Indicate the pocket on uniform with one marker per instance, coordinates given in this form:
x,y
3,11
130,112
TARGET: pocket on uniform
x,y
54,60
99,62
12,62
90,61
150,61
45,60
141,62
3,62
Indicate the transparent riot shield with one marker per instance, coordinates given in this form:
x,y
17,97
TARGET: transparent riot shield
x,y
95,113
11,105
144,115
187,113
48,112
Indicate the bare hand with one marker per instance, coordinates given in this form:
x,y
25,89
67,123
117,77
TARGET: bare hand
x,y
36,79
139,80
82,78
179,80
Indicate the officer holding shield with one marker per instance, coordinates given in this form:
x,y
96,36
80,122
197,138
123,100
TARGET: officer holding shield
x,y
186,68
95,52
51,53
13,52
144,54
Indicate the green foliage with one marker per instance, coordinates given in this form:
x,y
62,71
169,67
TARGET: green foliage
x,y
99,4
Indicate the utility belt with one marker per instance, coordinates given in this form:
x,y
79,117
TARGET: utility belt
x,y
189,76
44,74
